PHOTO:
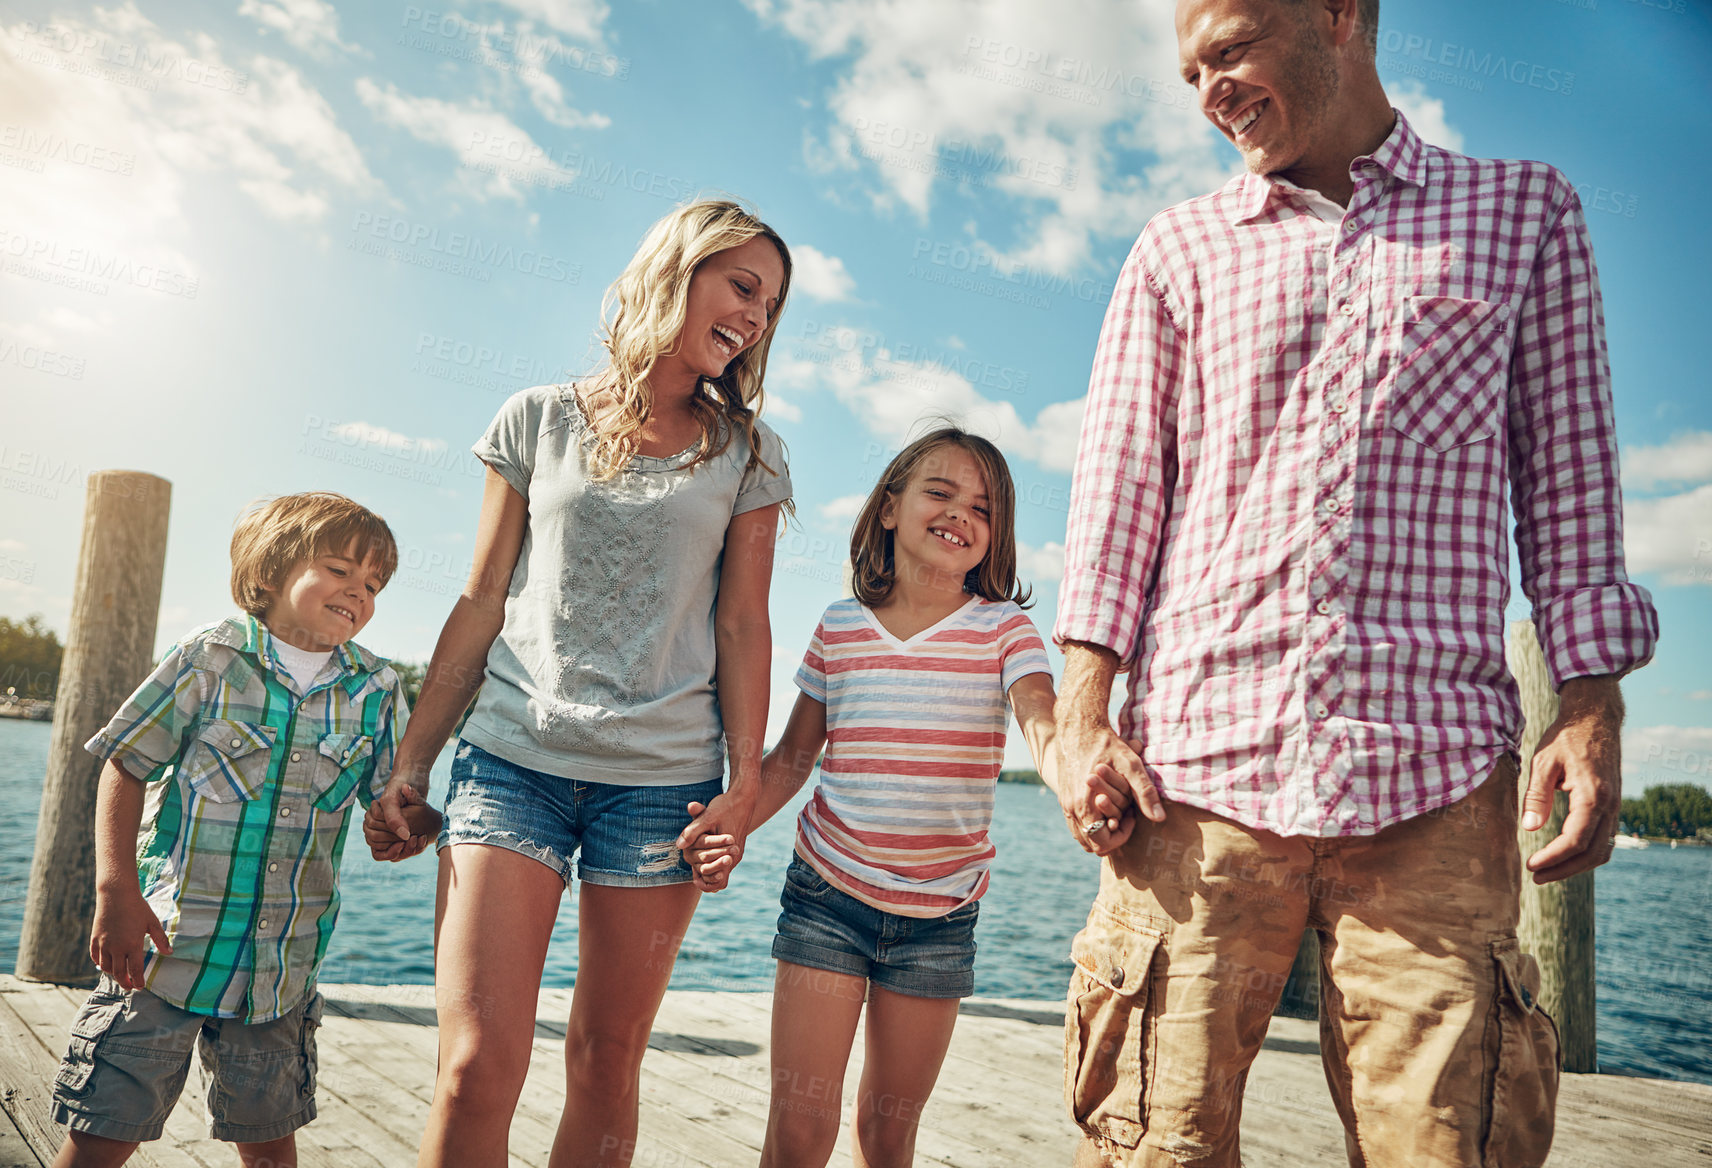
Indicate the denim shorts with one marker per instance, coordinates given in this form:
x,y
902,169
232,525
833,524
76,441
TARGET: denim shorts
x,y
627,834
130,1053
823,927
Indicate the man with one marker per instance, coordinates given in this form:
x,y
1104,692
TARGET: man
x,y
1313,391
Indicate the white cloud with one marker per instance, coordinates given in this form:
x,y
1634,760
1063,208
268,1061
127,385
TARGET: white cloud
x,y
896,400
583,19
818,275
1671,536
1075,111
1041,566
367,434
845,507
1425,112
497,158
1686,458
1659,755
310,25
181,112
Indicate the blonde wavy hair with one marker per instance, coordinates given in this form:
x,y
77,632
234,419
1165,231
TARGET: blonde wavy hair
x,y
873,571
642,316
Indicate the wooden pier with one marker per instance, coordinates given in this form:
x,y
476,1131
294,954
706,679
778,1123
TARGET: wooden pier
x,y
704,1091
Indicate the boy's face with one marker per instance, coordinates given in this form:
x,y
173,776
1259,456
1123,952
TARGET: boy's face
x,y
323,602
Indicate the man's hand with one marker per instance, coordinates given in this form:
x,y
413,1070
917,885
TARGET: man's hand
x,y
388,830
1100,777
720,829
1581,753
118,943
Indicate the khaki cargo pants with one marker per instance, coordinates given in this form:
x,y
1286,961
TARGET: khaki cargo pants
x,y
1435,1050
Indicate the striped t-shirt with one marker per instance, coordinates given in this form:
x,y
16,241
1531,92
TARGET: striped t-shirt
x,y
915,736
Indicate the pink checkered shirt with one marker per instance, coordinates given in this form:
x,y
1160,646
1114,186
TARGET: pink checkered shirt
x,y
1289,515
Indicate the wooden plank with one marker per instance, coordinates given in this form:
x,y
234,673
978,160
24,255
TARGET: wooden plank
x,y
26,1079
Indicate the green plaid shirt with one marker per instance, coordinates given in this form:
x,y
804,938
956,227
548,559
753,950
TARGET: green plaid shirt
x,y
250,786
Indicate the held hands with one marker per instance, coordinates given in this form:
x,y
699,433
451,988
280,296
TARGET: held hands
x,y
1101,786
1581,754
118,944
713,842
400,823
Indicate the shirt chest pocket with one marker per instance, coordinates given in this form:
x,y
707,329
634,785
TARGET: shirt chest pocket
x,y
229,761
1453,361
343,761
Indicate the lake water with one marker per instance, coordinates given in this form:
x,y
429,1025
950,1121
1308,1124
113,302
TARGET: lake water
x,y
1654,919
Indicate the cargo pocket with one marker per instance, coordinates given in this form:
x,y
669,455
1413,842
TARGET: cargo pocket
x,y
1522,1067
87,1030
311,1061
340,770
229,763
1106,1030
1449,389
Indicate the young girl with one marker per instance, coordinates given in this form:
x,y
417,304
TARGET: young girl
x,y
906,686
616,621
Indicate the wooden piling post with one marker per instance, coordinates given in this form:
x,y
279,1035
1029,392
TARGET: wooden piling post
x,y
1557,918
114,607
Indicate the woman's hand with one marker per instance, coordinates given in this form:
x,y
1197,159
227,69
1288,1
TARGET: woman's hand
x,y
713,841
386,824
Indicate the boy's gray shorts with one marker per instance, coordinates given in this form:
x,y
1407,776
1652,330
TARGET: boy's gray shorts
x,y
130,1053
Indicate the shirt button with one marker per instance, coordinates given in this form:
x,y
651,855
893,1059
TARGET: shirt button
x,y
1348,309
285,813
296,757
1324,608
1320,710
236,744
262,924
1338,406
1331,505
1351,226
274,867
1117,977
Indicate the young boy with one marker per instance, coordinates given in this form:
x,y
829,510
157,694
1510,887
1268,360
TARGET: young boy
x,y
248,744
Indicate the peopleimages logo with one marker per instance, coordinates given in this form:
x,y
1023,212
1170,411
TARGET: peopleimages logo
x,y
1435,60
455,252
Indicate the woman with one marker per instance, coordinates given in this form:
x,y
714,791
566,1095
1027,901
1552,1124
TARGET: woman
x,y
617,608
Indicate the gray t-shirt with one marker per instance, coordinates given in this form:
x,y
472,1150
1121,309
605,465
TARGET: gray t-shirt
x,y
604,668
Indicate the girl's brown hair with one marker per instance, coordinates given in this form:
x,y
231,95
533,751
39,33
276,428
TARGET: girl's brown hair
x,y
872,570
274,536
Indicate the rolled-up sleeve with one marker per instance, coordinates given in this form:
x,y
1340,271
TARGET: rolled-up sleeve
x,y
147,733
1563,455
1124,470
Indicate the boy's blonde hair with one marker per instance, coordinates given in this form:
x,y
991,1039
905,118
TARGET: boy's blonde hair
x,y
872,570
644,313
273,536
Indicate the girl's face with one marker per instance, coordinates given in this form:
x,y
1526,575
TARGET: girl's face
x,y
732,297
940,521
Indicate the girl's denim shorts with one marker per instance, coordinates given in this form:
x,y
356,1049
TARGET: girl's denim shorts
x,y
627,835
823,927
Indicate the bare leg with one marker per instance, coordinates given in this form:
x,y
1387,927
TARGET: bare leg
x,y
906,1043
492,920
280,1153
82,1150
627,941
815,1013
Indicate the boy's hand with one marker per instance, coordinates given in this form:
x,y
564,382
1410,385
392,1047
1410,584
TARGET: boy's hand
x,y
118,943
419,822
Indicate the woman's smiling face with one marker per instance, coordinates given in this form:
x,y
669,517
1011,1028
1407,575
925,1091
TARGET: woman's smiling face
x,y
732,297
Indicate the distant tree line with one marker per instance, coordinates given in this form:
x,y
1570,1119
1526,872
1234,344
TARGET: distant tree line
x,y
29,658
1677,811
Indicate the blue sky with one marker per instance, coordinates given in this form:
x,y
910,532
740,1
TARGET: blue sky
x,y
271,245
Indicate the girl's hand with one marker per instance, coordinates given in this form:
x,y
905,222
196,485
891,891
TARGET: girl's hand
x,y
712,858
723,823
